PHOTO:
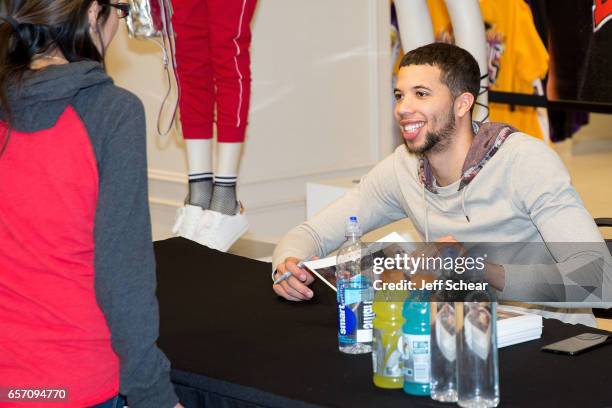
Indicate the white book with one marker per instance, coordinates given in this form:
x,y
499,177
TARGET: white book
x,y
517,338
515,327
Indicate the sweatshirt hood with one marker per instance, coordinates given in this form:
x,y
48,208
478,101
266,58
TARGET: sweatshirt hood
x,y
42,95
488,138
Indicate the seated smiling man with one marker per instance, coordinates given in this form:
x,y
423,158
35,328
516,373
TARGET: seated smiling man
x,y
454,177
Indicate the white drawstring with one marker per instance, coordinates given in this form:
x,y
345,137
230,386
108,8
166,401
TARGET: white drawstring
x,y
426,209
463,203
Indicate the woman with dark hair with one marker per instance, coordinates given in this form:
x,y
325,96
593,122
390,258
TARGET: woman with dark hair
x,y
77,272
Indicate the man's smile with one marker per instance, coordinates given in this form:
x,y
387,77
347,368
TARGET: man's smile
x,y
411,129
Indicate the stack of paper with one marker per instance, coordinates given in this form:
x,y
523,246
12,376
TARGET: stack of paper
x,y
515,327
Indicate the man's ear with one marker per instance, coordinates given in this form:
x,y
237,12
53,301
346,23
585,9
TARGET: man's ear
x,y
463,104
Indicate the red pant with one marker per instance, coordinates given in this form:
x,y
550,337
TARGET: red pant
x,y
212,52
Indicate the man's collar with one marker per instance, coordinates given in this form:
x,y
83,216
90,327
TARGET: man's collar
x,y
488,138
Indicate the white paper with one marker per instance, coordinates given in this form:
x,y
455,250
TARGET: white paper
x,y
319,266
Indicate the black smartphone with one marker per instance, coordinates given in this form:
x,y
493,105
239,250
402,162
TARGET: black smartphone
x,y
578,344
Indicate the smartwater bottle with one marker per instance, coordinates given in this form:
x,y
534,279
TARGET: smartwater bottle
x,y
477,366
354,278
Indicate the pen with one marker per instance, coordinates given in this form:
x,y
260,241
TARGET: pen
x,y
287,274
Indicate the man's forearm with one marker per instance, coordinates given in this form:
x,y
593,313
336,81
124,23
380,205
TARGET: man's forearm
x,y
297,243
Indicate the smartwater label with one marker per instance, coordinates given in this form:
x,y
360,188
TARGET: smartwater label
x,y
347,321
364,335
352,296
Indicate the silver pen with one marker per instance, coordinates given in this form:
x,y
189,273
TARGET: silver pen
x,y
287,274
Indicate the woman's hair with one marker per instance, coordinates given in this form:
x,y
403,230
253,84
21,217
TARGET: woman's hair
x,y
33,28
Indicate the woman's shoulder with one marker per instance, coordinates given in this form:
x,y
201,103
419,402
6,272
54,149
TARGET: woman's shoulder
x,y
111,98
107,109
111,114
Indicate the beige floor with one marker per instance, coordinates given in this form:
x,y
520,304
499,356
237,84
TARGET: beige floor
x,y
605,324
588,157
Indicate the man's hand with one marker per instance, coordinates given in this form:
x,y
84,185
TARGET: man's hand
x,y
295,287
436,248
495,275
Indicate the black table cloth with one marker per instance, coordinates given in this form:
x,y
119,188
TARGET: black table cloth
x,y
233,343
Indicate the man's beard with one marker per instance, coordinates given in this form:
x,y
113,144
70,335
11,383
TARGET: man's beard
x,y
436,141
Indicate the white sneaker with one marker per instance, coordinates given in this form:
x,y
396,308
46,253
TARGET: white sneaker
x,y
210,228
223,230
188,221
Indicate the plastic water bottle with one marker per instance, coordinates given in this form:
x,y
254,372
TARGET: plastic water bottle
x,y
417,348
354,278
387,342
443,382
443,339
443,385
477,366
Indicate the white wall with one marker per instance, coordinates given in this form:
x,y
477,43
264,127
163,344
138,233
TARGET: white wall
x,y
320,88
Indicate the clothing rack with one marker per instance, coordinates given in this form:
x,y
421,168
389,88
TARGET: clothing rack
x,y
540,101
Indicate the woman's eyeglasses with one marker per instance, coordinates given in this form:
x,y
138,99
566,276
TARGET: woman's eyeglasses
x,y
123,9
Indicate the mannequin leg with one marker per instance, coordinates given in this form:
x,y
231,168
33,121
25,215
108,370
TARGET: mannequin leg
x,y
468,27
415,25
224,193
195,75
199,159
230,42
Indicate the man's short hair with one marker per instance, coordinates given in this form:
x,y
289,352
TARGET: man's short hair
x,y
459,69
